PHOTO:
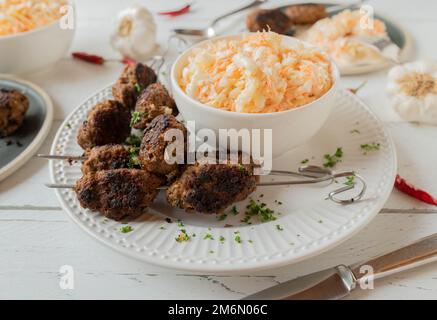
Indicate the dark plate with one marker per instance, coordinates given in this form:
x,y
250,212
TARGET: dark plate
x,y
17,148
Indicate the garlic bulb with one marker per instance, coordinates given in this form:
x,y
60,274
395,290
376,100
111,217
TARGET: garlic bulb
x,y
412,88
135,33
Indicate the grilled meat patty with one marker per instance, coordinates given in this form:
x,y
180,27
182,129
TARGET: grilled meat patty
x,y
13,108
268,19
107,157
153,147
134,79
153,101
108,122
308,13
211,188
119,193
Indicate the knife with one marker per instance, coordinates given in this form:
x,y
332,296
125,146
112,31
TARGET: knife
x,y
336,283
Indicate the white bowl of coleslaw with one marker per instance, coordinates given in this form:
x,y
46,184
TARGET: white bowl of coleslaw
x,y
303,93
31,36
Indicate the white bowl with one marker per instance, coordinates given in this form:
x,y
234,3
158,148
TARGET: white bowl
x,y
34,50
290,128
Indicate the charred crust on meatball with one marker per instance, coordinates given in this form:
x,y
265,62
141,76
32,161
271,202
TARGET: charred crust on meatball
x,y
211,188
108,122
268,19
13,108
154,101
118,194
107,157
133,80
153,146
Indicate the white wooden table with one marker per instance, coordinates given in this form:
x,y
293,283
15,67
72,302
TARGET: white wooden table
x,y
37,238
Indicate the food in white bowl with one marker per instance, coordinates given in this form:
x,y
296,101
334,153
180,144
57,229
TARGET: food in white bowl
x,y
31,37
256,81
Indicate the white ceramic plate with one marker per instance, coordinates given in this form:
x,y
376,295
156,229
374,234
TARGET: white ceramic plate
x,y
17,149
310,223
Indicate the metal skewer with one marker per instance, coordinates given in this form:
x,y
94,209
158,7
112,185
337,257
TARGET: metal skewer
x,y
328,177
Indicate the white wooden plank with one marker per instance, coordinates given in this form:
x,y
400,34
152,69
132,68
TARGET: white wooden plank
x,y
101,273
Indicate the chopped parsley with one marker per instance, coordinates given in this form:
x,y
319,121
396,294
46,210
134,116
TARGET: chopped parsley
x,y
234,210
222,217
305,161
136,117
222,239
243,168
211,251
126,229
180,224
279,227
68,126
134,141
355,131
370,147
238,238
133,158
162,228
332,160
350,181
320,221
250,241
208,236
183,236
137,88
260,209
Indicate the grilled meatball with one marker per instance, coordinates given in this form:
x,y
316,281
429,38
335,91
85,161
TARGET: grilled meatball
x,y
211,188
107,157
265,19
153,101
13,107
306,13
118,194
133,80
108,122
153,147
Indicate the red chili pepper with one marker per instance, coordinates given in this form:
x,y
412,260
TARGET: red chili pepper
x,y
176,13
402,185
90,58
129,61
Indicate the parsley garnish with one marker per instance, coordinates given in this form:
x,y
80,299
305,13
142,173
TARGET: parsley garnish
x,y
350,181
134,141
126,229
222,217
68,126
305,161
332,160
183,236
279,227
180,224
355,131
370,147
260,209
234,210
237,238
222,239
137,88
208,236
136,117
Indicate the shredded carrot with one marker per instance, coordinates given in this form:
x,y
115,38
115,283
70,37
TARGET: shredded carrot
x,y
18,16
256,74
